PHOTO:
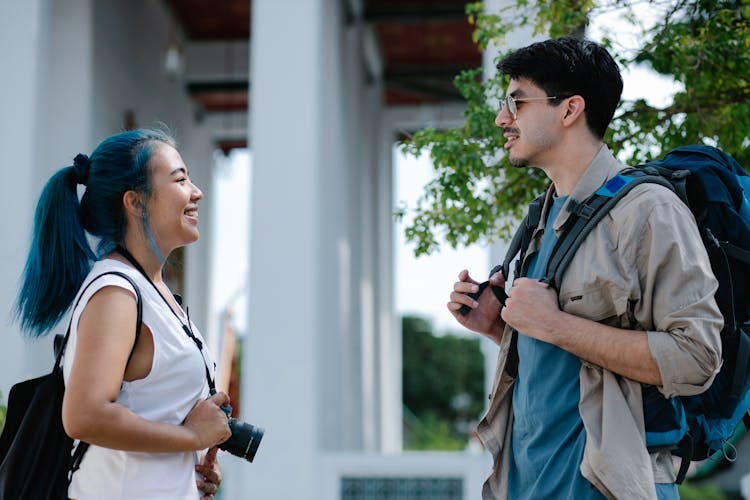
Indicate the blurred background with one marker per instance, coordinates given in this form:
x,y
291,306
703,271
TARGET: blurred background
x,y
330,333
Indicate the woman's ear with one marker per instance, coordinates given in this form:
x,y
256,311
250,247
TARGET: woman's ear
x,y
133,203
573,109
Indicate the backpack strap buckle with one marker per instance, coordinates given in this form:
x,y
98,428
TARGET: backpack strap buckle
x,y
585,211
680,174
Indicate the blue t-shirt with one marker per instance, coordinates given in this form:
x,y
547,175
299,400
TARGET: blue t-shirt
x,y
548,434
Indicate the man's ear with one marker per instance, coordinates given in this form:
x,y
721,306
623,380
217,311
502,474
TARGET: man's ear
x,y
573,108
133,203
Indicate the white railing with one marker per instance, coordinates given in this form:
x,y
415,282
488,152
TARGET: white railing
x,y
469,469
449,475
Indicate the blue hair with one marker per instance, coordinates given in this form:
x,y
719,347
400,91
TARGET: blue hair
x,y
60,256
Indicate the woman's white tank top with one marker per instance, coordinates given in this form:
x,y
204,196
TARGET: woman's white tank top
x,y
177,381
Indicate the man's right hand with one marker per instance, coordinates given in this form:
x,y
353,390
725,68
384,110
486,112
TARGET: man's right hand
x,y
484,317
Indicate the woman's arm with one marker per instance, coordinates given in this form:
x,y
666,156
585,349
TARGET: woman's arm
x,y
106,332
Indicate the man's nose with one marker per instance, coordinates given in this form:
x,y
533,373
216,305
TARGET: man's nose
x,y
503,118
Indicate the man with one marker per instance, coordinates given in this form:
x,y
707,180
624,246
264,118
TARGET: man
x,y
635,308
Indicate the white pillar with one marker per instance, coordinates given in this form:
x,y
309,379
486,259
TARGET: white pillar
x,y
45,52
287,300
745,486
66,104
20,46
390,353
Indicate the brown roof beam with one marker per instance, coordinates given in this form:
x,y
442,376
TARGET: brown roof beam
x,y
442,72
218,86
413,13
440,90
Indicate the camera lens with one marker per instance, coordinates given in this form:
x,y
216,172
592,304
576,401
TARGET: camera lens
x,y
244,441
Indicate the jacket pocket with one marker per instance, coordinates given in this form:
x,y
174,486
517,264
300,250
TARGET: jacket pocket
x,y
594,303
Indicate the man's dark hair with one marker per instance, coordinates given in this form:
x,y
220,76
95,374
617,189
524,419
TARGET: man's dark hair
x,y
568,66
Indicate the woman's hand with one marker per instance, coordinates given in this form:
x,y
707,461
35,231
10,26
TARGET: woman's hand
x,y
208,422
211,474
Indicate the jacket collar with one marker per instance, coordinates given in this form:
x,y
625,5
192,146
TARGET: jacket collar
x,y
603,167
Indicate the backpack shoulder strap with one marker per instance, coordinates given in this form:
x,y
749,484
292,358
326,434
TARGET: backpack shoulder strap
x,y
587,214
61,341
522,238
518,244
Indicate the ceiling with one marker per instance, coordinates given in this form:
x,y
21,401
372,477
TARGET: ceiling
x,y
423,44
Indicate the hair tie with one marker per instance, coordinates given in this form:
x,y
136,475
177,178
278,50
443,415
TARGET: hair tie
x,y
81,168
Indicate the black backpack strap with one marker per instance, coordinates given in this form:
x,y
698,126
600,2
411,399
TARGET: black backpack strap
x,y
587,214
746,420
522,239
76,459
519,243
62,342
519,248
685,452
735,252
716,247
741,365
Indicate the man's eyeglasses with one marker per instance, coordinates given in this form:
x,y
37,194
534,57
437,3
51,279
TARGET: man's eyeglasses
x,y
510,102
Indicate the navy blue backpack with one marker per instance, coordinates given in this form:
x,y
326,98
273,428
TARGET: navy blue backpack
x,y
714,187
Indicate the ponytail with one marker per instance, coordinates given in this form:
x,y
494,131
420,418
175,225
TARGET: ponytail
x,y
60,256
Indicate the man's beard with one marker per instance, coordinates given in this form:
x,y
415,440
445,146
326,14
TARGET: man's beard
x,y
518,162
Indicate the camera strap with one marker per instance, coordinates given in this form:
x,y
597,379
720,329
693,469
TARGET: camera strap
x,y
186,327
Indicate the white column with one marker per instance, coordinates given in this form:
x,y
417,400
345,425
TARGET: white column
x,y
389,355
20,35
281,385
745,486
66,111
45,51
198,256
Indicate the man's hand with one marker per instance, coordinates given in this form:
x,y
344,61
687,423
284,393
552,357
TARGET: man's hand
x,y
485,315
531,308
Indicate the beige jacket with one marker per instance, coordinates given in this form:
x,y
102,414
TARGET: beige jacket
x,y
642,267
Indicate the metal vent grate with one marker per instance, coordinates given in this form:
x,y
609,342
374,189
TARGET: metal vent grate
x,y
403,488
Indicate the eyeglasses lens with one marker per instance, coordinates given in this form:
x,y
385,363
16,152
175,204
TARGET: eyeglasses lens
x,y
510,103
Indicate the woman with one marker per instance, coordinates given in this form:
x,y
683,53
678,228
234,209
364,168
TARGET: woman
x,y
141,401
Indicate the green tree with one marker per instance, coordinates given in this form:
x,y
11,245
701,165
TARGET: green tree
x,y
443,380
688,491
3,411
704,45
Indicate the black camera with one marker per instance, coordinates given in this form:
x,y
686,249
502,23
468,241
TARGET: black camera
x,y
245,438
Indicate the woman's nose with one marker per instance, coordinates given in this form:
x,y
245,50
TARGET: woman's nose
x,y
197,193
